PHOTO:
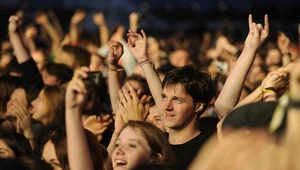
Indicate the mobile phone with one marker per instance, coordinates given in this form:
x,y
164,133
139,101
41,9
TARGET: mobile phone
x,y
93,78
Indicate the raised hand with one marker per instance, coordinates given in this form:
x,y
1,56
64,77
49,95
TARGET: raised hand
x,y
115,53
78,17
97,125
137,44
31,32
257,33
76,92
14,24
98,18
133,17
41,18
278,79
131,106
283,42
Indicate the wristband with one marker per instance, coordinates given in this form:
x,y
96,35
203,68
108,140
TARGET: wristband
x,y
294,104
270,96
269,90
114,69
286,54
146,62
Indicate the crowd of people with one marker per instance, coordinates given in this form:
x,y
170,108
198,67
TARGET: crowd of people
x,y
133,101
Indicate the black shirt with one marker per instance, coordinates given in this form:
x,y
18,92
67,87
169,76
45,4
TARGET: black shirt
x,y
184,154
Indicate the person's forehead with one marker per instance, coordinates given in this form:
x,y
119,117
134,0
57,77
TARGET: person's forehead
x,y
174,88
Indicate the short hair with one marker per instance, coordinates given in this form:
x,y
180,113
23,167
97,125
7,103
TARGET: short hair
x,y
62,72
80,55
156,139
18,143
142,81
198,85
55,102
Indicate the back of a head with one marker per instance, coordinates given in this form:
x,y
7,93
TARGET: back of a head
x,y
18,143
198,85
62,72
80,56
142,81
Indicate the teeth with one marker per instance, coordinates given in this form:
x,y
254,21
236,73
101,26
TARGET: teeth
x,y
120,162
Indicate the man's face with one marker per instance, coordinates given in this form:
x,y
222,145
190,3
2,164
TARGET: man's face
x,y
178,107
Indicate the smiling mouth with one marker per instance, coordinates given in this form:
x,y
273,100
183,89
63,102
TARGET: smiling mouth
x,y
120,162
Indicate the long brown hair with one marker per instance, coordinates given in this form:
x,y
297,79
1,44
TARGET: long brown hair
x,y
54,99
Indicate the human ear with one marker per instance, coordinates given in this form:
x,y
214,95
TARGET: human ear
x,y
157,159
199,107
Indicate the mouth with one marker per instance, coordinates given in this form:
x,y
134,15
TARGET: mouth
x,y
169,115
120,162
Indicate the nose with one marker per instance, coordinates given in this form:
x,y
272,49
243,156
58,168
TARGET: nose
x,y
33,101
167,105
119,151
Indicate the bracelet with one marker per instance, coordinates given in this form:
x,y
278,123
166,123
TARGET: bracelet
x,y
145,62
114,69
270,96
286,54
294,103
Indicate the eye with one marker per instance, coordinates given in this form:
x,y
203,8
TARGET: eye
x,y
132,146
116,145
55,164
178,100
163,97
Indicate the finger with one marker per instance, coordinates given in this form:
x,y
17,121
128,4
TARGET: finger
x,y
81,72
132,91
148,99
126,93
76,88
267,27
250,21
260,27
81,85
144,35
106,118
122,98
256,30
143,99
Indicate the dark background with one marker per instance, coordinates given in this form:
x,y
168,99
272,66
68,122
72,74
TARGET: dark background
x,y
163,17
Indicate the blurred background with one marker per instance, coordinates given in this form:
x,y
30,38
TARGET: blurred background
x,y
163,17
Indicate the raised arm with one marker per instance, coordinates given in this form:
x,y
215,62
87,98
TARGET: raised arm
x,y
43,20
137,45
133,21
74,29
283,43
115,53
99,20
231,91
79,155
15,37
